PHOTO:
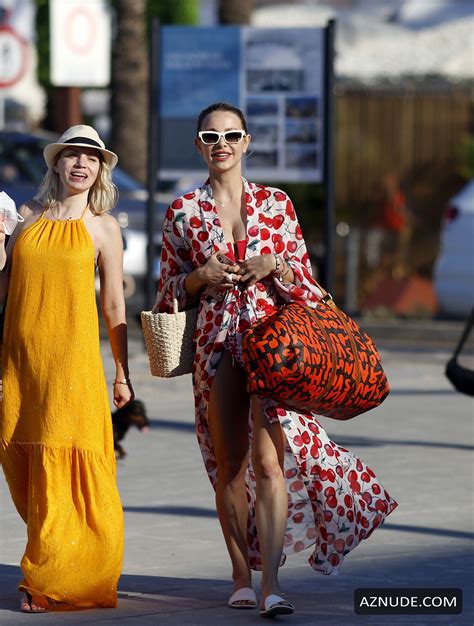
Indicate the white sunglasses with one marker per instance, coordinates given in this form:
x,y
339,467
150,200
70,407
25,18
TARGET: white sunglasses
x,y
212,137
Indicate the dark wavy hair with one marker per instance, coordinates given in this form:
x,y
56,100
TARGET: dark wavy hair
x,y
221,106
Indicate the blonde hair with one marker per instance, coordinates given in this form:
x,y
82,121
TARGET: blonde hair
x,y
103,194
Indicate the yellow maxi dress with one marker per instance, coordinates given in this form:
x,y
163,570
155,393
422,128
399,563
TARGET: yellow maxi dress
x,y
56,442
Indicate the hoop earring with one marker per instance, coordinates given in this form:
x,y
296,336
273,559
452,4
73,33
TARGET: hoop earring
x,y
249,151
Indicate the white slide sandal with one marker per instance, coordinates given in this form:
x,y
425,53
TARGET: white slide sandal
x,y
275,605
243,598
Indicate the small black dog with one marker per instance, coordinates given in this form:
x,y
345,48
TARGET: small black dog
x,y
133,414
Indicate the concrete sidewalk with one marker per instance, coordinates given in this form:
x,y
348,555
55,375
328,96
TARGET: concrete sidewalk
x,y
176,570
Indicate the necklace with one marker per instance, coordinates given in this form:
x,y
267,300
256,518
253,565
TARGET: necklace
x,y
64,219
221,203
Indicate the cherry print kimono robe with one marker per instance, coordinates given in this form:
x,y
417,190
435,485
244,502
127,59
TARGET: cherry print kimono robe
x,y
334,499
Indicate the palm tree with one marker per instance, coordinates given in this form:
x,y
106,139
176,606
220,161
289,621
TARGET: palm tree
x,y
235,11
129,88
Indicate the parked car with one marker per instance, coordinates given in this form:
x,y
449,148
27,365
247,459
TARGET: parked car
x,y
454,267
22,168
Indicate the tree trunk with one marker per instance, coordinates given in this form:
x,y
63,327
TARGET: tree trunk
x,y
129,89
235,11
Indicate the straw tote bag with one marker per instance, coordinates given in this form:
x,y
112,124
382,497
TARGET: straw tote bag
x,y
169,339
314,360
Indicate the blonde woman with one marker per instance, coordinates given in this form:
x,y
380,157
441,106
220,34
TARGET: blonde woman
x,y
56,443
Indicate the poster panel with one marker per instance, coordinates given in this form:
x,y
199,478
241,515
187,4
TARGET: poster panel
x,y
198,66
274,75
282,98
80,38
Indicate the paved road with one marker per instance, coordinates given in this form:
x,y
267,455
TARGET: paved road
x,y
176,570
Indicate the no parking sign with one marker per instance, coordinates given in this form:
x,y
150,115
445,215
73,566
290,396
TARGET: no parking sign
x,y
80,43
13,54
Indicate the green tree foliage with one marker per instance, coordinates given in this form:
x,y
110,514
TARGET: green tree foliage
x,y
465,157
175,12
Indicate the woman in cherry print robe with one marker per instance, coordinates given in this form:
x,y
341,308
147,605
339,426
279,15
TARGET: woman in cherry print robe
x,y
236,250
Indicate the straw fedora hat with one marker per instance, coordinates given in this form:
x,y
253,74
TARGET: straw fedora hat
x,y
80,135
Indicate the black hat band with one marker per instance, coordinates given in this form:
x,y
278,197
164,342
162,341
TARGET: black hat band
x,y
86,140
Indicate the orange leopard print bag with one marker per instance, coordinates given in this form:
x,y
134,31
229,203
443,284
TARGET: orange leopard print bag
x,y
314,360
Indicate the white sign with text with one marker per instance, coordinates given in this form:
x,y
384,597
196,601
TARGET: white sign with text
x,y
80,43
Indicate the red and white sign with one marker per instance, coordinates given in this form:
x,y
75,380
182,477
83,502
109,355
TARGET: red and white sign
x,y
80,43
13,56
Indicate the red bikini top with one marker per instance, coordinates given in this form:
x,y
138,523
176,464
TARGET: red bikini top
x,y
239,247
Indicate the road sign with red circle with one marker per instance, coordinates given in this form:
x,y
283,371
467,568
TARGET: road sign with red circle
x,y
13,56
80,32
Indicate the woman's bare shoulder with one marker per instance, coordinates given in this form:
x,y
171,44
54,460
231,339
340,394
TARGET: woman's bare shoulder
x,y
106,221
104,225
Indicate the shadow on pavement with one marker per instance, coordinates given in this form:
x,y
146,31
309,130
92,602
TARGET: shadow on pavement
x,y
204,588
178,587
348,441
427,530
10,576
344,441
193,511
188,426
324,600
422,392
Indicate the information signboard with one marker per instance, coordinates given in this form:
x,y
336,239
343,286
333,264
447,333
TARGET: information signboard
x,y
276,76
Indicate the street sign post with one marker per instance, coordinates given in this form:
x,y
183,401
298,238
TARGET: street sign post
x,y
80,43
13,54
13,62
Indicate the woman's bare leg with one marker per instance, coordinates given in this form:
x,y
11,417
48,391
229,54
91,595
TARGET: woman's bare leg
x,y
228,426
271,500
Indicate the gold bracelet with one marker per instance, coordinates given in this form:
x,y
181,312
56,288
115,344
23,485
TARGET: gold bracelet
x,y
122,381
